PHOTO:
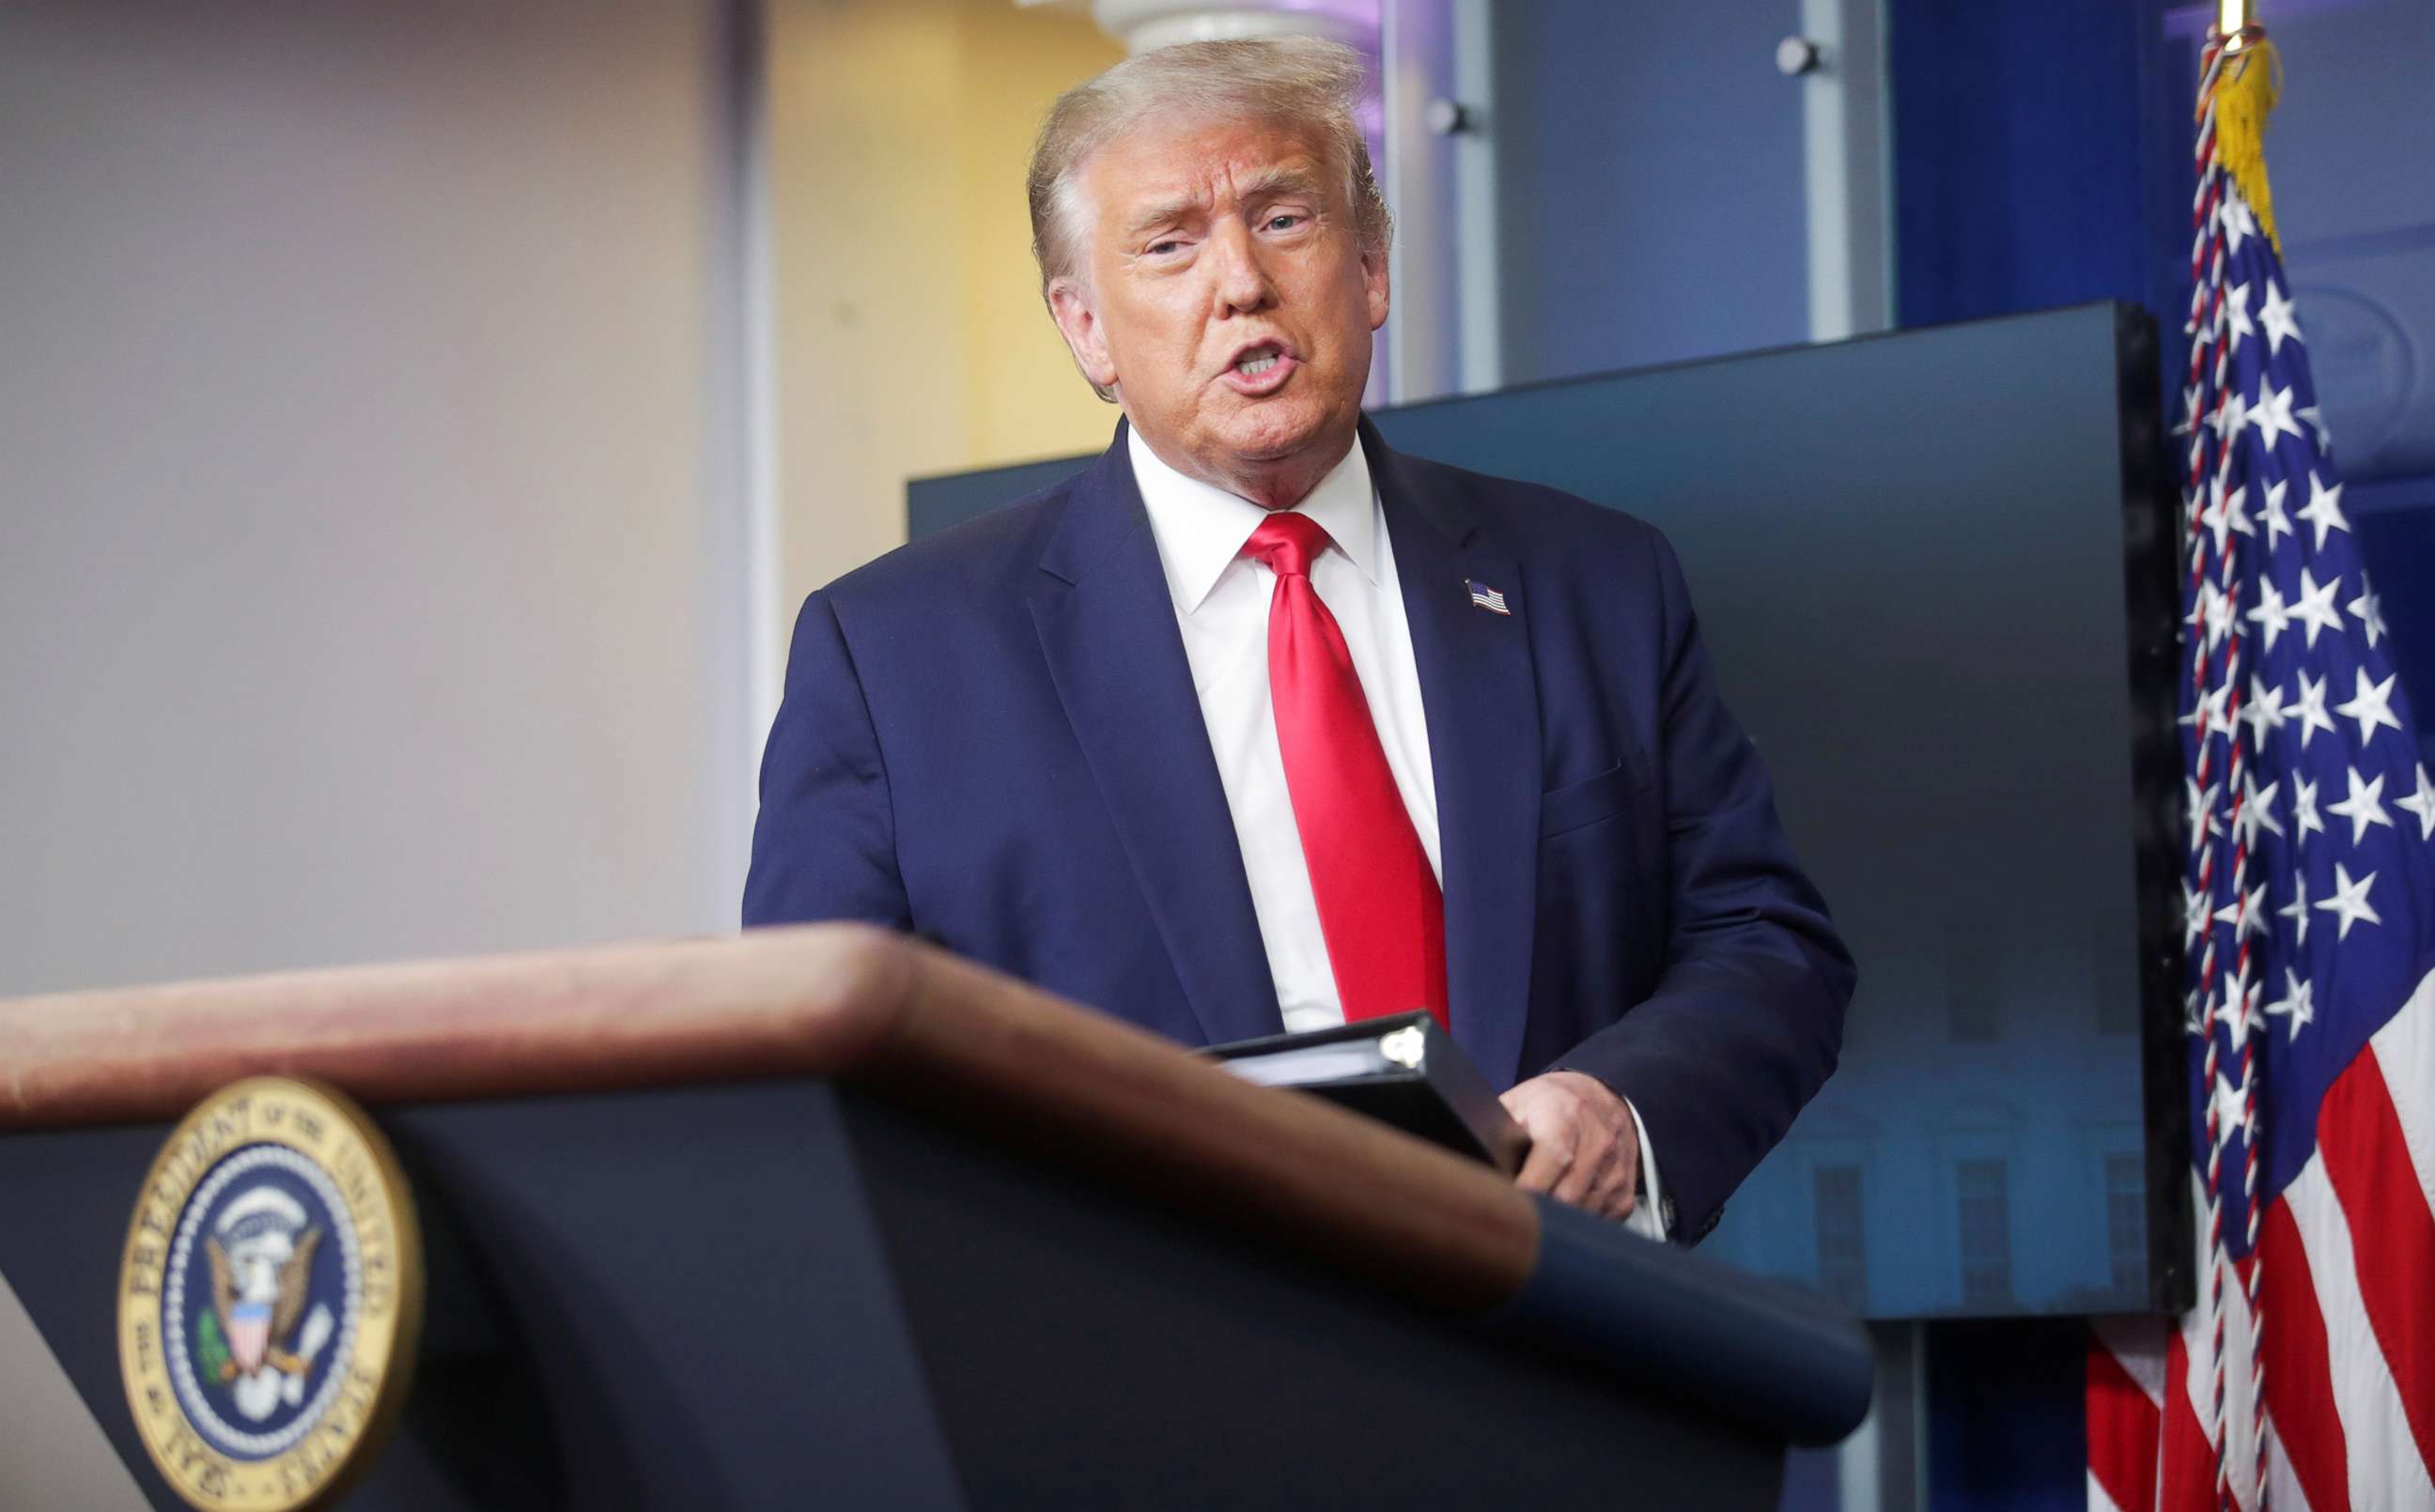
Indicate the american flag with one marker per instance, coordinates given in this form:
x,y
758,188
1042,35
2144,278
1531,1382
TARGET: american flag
x,y
1486,597
2304,1377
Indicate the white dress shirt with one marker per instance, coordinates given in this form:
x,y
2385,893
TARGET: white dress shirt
x,y
1221,606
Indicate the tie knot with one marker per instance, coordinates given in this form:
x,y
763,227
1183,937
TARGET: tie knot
x,y
1286,543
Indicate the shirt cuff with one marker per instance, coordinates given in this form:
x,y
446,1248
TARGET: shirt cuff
x,y
1648,1212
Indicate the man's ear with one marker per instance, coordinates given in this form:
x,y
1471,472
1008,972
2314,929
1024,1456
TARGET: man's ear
x,y
1373,283
1085,336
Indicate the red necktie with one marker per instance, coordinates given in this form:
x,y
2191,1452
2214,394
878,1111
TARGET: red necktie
x,y
1379,907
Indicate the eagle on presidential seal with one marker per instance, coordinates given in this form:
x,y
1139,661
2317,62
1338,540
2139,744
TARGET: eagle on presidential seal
x,y
261,1252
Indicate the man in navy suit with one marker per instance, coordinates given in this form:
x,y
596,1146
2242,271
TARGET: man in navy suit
x,y
1258,725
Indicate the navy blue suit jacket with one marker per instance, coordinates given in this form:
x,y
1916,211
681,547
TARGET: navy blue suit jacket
x,y
991,738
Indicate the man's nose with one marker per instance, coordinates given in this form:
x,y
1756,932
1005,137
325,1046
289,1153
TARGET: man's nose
x,y
1242,282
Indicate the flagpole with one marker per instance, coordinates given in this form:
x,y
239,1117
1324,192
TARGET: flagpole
x,y
2233,99
2212,377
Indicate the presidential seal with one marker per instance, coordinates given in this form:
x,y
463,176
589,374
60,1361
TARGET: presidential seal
x,y
269,1297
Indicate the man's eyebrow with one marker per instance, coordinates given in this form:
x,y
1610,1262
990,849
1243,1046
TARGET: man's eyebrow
x,y
1160,211
1267,183
1271,183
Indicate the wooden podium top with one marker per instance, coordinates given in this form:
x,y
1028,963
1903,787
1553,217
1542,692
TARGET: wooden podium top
x,y
977,1050
963,1044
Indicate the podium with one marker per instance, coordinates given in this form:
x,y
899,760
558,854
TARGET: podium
x,y
827,1218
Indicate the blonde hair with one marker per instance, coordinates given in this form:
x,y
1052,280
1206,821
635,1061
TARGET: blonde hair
x,y
1297,81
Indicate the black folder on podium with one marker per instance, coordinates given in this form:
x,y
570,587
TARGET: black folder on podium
x,y
1400,1069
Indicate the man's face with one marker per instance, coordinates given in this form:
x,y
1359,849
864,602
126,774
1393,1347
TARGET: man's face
x,y
1229,301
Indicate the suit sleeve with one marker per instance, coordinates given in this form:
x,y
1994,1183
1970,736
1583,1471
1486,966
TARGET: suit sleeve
x,y
1746,1018
824,846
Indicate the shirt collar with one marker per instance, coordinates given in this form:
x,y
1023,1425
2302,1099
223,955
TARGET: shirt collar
x,y
1202,528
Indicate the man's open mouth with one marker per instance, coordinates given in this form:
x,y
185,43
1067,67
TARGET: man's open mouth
x,y
1259,368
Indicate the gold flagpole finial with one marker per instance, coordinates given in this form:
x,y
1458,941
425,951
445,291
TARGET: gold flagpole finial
x,y
2239,93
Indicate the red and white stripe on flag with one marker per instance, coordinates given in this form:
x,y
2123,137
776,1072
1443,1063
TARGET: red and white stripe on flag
x,y
2348,1294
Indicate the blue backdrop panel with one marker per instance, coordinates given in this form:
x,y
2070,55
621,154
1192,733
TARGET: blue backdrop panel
x,y
1909,553
2017,168
1653,205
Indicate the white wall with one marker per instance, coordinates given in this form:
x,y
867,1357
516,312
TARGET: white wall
x,y
371,549
371,535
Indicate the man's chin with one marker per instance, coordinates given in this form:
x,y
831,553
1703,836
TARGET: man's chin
x,y
1276,433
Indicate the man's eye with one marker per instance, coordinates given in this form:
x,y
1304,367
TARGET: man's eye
x,y
1160,248
1283,222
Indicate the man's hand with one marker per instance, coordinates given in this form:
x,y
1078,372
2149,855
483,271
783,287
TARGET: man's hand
x,y
1584,1148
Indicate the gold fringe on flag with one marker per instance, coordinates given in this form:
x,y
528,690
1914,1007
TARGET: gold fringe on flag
x,y
2244,96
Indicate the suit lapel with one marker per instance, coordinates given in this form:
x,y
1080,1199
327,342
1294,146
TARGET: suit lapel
x,y
1482,703
1107,628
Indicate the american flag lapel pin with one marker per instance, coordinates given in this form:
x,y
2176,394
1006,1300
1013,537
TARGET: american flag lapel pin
x,y
1485,596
